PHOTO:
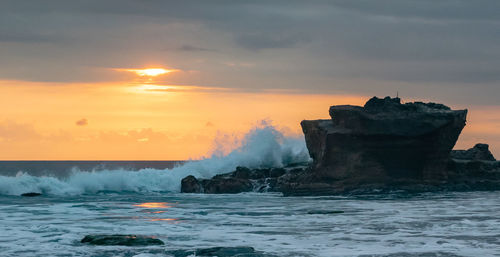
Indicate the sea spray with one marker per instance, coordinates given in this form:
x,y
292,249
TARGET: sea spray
x,y
263,146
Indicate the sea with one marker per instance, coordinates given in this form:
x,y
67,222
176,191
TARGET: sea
x,y
143,198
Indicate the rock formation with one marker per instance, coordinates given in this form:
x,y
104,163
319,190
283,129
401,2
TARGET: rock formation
x,y
383,146
480,152
241,180
126,240
384,139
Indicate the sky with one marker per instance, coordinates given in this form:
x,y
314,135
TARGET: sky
x,y
70,90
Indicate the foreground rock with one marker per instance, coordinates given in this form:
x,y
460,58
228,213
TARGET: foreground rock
x,y
126,240
384,146
31,194
221,252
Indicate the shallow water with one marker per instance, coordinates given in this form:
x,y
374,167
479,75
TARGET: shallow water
x,y
451,224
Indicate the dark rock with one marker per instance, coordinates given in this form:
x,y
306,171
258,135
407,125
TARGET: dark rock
x,y
241,180
227,185
242,173
480,152
190,184
384,139
224,251
325,212
126,240
31,194
470,170
241,251
276,172
259,173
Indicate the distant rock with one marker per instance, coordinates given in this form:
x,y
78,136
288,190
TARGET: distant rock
x,y
480,152
126,240
31,194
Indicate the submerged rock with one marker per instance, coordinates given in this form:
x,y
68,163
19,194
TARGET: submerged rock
x,y
241,251
31,194
126,240
325,212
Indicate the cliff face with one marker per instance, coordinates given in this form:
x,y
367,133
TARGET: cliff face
x,y
383,139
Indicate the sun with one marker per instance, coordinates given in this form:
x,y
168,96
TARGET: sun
x,y
153,72
149,72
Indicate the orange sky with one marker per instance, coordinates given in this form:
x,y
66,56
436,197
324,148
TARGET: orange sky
x,y
128,121
139,120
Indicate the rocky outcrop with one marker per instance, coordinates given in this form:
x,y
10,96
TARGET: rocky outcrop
x,y
126,240
384,139
241,180
383,146
480,152
474,169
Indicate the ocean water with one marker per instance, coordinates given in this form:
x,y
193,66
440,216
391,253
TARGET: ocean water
x,y
143,198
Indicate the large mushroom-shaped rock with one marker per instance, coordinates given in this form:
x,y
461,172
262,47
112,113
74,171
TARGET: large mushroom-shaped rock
x,y
383,139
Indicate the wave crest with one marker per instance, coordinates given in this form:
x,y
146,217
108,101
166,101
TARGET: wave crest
x,y
263,146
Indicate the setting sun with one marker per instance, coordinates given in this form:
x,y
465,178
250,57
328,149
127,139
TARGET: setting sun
x,y
150,72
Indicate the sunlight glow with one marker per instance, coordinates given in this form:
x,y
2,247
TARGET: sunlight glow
x,y
149,72
159,205
163,89
166,219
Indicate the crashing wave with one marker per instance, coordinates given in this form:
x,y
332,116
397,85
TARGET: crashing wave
x,y
262,147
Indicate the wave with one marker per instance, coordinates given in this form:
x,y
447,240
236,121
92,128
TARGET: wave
x,y
263,146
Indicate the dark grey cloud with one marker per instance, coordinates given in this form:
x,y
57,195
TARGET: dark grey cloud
x,y
259,40
458,10
191,48
27,38
449,46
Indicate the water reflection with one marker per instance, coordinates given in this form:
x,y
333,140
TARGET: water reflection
x,y
154,205
151,208
165,219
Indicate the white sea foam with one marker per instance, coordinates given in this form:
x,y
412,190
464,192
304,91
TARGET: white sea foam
x,y
263,146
